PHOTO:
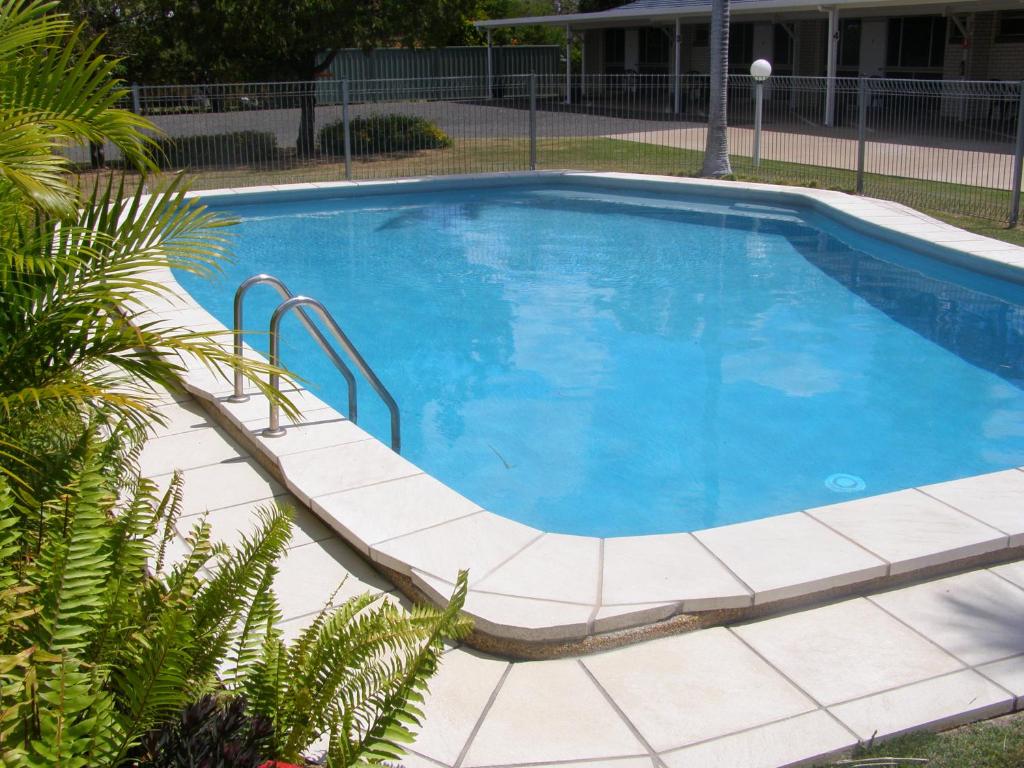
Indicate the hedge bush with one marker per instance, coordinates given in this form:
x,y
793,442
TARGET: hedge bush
x,y
382,135
217,149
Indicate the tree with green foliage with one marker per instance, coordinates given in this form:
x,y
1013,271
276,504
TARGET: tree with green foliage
x,y
510,9
264,40
106,634
221,41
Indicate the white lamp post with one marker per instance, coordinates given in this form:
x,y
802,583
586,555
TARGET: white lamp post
x,y
760,70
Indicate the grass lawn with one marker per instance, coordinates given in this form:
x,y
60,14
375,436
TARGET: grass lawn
x,y
997,743
983,227
976,209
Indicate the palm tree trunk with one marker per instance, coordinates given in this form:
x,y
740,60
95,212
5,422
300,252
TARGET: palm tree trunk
x,y
716,150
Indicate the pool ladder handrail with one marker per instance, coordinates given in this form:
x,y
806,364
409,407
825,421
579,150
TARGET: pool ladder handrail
x,y
285,293
274,428
293,302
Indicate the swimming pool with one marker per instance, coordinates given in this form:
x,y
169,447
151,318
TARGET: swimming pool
x,y
610,362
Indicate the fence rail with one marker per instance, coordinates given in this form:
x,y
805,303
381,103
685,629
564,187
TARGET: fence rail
x,y
947,146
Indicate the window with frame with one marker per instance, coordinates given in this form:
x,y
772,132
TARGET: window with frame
x,y
741,46
654,46
916,42
615,47
849,43
1010,26
782,46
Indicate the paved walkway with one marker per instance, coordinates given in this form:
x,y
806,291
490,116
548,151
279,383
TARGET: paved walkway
x,y
774,692
960,165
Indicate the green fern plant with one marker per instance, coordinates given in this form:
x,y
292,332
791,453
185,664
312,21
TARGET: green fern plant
x,y
103,638
102,641
356,675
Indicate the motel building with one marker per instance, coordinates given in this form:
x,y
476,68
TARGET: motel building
x,y
978,41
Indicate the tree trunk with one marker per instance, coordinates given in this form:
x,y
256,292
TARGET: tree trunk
x,y
97,156
306,145
716,150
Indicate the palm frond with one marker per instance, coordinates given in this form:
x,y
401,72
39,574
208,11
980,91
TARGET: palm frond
x,y
53,99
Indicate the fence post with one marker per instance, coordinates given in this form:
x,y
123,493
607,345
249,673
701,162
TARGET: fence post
x,y
862,130
136,100
1018,160
346,132
533,121
758,110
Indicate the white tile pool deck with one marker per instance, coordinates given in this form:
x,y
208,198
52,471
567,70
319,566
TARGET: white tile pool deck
x,y
540,594
792,689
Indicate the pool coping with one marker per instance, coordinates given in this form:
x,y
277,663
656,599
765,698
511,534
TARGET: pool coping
x,y
535,593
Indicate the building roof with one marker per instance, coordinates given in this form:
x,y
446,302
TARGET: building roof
x,y
645,12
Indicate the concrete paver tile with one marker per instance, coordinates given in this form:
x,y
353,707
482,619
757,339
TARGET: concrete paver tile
x,y
549,711
933,704
227,484
255,411
520,618
1008,673
338,468
229,524
668,568
309,575
525,618
614,762
478,542
186,450
321,429
613,617
995,499
554,567
375,513
910,530
193,318
185,416
789,555
813,735
845,650
976,616
458,694
1012,572
414,760
723,685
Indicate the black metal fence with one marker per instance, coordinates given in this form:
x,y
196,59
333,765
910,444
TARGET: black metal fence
x,y
948,146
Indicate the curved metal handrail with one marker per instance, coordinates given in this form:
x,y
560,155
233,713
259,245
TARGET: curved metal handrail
x,y
239,395
274,428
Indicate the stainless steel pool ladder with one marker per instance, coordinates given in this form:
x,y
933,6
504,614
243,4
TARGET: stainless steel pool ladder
x,y
291,301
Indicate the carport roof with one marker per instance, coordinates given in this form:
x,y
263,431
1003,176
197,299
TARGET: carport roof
x,y
642,12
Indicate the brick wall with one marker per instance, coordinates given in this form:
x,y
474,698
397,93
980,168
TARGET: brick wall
x,y
986,59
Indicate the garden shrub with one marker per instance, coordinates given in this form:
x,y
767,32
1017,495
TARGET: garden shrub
x,y
383,135
217,149
108,633
212,733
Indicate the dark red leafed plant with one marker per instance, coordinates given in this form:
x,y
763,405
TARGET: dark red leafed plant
x,y
210,733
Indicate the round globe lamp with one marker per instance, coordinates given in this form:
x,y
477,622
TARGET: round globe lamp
x,y
760,70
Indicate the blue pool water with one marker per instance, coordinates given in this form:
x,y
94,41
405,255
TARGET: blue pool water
x,y
611,363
